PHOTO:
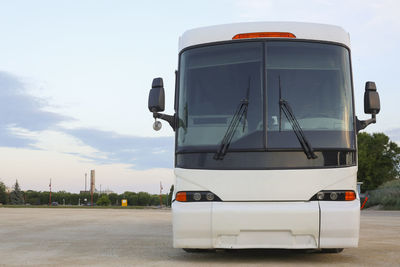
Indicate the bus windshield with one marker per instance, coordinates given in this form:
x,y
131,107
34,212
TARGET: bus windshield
x,y
313,78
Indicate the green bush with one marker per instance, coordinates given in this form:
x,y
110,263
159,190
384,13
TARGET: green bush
x,y
103,201
387,195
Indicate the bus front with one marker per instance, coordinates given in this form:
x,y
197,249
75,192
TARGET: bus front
x,y
265,142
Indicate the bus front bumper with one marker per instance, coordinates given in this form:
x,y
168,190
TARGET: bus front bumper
x,y
287,225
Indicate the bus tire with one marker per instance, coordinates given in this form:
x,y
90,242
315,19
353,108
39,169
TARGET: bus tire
x,y
196,250
331,250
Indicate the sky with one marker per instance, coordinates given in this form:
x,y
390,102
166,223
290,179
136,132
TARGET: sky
x,y
75,77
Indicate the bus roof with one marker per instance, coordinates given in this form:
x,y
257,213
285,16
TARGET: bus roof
x,y
302,30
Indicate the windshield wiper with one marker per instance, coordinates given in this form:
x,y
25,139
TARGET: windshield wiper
x,y
241,111
230,132
287,110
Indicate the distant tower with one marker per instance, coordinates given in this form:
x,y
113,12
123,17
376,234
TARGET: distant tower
x,y
92,185
92,181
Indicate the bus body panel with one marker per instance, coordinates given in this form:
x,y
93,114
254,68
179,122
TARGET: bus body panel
x,y
192,225
243,225
266,185
272,214
265,224
302,30
340,223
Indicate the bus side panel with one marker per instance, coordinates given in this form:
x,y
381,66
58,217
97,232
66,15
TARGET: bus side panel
x,y
191,224
340,223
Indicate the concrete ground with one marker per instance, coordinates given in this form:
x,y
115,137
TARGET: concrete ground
x,y
108,237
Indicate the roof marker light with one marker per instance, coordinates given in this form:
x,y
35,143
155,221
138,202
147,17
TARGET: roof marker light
x,y
263,35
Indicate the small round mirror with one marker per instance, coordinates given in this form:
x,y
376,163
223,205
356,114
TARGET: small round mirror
x,y
157,125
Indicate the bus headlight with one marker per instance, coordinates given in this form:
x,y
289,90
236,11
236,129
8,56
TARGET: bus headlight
x,y
210,196
196,196
334,195
320,195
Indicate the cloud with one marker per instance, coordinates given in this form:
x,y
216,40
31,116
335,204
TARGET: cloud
x,y
25,124
9,139
18,109
139,152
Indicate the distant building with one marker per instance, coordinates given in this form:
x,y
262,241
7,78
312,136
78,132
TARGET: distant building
x,y
107,191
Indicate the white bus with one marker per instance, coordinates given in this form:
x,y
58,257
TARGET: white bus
x,y
265,137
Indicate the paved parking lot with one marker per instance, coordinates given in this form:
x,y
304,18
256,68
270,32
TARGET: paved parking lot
x,y
41,236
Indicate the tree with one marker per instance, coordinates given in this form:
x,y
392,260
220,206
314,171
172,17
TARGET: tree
x,y
113,198
16,196
155,200
103,201
144,199
132,198
378,160
171,192
3,193
32,197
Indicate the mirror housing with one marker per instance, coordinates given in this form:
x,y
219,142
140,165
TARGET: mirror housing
x,y
157,96
157,103
371,99
372,106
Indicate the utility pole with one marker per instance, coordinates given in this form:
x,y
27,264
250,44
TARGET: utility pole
x,y
161,188
50,193
85,181
92,185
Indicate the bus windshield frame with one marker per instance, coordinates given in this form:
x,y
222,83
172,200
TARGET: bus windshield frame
x,y
315,78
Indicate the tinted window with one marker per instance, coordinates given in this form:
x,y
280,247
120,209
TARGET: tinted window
x,y
315,79
213,82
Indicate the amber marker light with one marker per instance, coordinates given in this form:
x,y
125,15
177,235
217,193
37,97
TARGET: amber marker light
x,y
263,35
181,197
350,195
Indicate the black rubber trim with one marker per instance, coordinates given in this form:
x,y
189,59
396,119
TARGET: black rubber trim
x,y
262,40
261,160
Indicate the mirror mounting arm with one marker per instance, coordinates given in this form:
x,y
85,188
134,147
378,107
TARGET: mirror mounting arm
x,y
360,125
168,118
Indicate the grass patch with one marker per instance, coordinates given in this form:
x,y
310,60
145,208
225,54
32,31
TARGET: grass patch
x,y
387,195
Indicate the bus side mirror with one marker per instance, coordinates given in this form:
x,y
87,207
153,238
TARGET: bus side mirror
x,y
157,104
157,96
371,99
372,105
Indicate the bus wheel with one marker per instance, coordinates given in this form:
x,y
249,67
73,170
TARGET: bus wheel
x,y
331,250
